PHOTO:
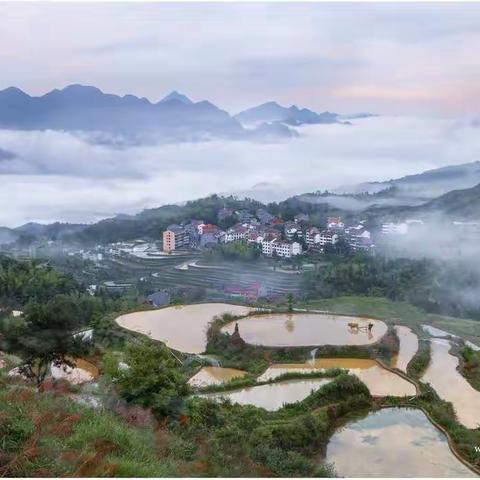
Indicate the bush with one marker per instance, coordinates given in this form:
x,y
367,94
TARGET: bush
x,y
153,378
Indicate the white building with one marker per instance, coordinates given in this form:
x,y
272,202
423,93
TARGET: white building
x,y
328,238
282,249
312,236
267,247
236,233
359,238
335,223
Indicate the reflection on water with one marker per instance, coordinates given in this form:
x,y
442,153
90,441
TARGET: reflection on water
x,y
444,377
305,329
408,347
181,327
473,346
393,442
379,381
214,376
271,396
436,332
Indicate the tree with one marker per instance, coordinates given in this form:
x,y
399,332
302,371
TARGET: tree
x,y
46,336
153,377
290,302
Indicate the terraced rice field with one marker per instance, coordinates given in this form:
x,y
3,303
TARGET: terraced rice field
x,y
163,274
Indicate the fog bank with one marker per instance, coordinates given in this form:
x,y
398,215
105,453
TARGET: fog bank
x,y
49,175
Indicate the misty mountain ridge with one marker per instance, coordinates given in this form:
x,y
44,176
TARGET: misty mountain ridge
x,y
423,186
87,108
462,205
6,155
273,112
174,95
293,115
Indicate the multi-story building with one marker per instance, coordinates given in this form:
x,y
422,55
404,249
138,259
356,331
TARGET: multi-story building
x,y
282,249
264,216
335,223
255,237
237,232
359,238
175,237
312,237
267,247
211,238
327,237
292,230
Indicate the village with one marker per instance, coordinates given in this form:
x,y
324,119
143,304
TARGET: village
x,y
273,236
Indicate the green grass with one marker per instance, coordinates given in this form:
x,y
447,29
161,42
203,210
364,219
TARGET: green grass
x,y
394,313
46,434
375,307
470,366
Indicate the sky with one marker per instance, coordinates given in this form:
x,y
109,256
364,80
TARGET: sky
x,y
415,64
389,58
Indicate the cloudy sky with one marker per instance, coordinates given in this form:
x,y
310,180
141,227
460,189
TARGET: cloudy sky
x,y
389,58
415,64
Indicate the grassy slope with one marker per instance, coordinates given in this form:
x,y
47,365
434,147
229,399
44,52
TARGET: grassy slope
x,y
49,435
395,312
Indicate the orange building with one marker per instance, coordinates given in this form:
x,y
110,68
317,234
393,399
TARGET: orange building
x,y
168,241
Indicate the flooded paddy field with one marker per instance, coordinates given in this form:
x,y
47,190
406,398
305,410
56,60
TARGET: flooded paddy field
x,y
214,376
393,442
380,382
443,376
307,329
271,396
408,347
182,327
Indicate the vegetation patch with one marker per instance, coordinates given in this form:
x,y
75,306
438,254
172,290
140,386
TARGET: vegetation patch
x,y
420,361
470,366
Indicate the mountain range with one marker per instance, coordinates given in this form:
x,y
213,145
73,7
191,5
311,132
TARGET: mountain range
x,y
457,204
86,108
294,116
174,118
423,186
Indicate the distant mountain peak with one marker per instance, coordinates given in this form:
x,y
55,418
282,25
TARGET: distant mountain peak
x,y
75,89
274,112
180,97
14,92
79,107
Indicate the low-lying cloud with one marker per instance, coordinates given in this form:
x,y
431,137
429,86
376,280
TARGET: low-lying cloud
x,y
64,176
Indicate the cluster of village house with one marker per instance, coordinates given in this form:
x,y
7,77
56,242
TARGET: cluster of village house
x,y
274,236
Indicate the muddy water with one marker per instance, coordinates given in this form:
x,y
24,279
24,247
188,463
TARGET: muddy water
x,y
307,329
82,372
379,381
443,376
214,376
393,442
408,347
181,327
271,396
